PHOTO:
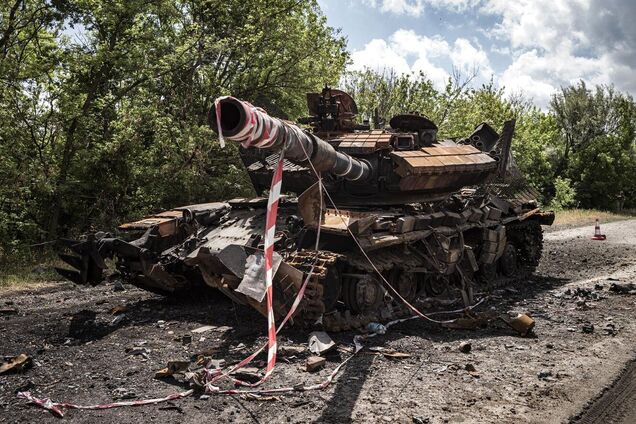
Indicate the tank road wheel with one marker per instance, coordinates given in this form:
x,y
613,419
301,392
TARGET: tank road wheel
x,y
527,237
487,274
407,285
508,261
435,285
362,294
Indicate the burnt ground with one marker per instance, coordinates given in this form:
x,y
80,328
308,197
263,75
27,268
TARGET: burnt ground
x,y
80,354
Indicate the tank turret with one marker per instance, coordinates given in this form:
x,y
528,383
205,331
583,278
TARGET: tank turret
x,y
405,163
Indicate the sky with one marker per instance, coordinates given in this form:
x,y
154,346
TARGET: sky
x,y
532,47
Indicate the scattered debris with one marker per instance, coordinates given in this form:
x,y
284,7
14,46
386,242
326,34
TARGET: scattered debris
x,y
174,367
119,309
389,353
138,350
395,354
623,288
441,369
249,374
214,363
376,327
320,342
585,294
253,396
118,319
465,347
291,350
521,323
314,363
610,329
203,329
238,347
16,364
123,393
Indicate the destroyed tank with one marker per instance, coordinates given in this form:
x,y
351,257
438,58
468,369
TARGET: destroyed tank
x,y
436,220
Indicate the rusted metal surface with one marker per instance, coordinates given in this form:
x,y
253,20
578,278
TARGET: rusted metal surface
x,y
435,160
434,219
364,143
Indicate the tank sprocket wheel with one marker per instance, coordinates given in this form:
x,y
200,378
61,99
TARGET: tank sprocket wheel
x,y
406,285
527,237
508,262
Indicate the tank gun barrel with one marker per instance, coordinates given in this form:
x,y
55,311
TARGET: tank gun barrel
x,y
244,123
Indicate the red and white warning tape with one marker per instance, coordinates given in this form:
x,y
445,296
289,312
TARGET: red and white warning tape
x,y
58,408
216,374
261,129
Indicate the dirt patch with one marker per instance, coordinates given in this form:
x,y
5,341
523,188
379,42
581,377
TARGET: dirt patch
x,y
584,337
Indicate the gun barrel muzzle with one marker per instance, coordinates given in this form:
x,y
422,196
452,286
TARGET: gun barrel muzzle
x,y
241,122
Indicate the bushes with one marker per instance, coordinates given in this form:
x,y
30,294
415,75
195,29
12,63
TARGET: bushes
x,y
564,194
103,105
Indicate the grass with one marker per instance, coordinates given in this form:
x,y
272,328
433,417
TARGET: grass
x,y
576,217
28,272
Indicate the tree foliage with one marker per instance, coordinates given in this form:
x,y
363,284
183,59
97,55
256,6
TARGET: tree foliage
x,y
582,150
597,148
103,105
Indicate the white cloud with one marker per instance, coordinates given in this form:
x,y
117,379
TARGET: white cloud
x,y
416,7
379,56
426,55
454,5
557,42
551,43
399,7
467,57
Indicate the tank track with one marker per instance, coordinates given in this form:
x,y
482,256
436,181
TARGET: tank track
x,y
312,307
314,311
527,237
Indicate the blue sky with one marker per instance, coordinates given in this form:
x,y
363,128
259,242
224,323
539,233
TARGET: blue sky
x,y
527,46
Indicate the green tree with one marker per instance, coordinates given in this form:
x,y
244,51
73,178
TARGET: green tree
x,y
103,105
596,147
564,194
